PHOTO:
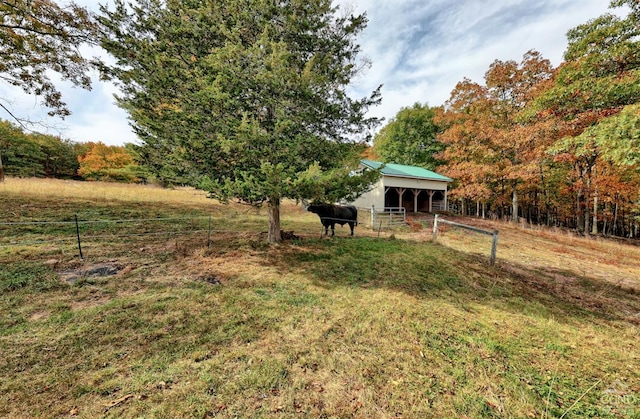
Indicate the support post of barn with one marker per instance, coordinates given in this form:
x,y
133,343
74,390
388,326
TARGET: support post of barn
x,y
434,236
494,247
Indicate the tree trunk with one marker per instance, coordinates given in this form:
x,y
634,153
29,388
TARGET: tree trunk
x,y
587,207
275,235
514,206
579,213
615,219
1,169
594,229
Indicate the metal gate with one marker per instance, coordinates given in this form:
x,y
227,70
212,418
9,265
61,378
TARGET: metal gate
x,y
388,217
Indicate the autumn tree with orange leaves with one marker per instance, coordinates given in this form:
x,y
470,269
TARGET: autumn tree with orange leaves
x,y
594,101
561,146
109,163
489,151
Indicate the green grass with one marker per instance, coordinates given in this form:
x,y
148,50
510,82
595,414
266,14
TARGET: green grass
x,y
344,327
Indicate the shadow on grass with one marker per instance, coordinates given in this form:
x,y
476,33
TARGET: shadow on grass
x,y
427,270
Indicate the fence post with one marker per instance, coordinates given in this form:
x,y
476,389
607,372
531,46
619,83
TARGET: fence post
x,y
78,236
494,247
373,216
434,237
209,233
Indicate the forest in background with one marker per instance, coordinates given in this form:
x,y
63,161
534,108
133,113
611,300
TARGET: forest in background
x,y
552,146
31,154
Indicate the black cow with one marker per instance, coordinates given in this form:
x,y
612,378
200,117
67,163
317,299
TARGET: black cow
x,y
330,215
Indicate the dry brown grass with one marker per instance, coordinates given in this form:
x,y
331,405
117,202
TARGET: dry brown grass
x,y
340,327
100,191
553,252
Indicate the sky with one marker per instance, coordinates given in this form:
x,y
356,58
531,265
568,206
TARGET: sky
x,y
419,50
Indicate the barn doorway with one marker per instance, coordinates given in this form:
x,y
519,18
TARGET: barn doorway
x,y
414,200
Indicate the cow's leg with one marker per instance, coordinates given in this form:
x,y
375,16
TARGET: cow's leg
x,y
352,225
333,229
326,230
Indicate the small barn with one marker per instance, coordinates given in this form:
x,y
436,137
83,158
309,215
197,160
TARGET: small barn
x,y
413,188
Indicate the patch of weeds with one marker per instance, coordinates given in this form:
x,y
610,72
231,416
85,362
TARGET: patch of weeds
x,y
556,347
414,267
474,403
301,299
28,275
268,374
566,395
12,322
316,256
62,315
262,292
81,390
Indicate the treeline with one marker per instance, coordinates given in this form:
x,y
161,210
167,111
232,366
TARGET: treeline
x,y
555,146
27,154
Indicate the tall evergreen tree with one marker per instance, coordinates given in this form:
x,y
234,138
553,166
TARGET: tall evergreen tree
x,y
60,159
246,99
21,155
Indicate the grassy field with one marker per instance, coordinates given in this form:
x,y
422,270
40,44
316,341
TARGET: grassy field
x,y
366,327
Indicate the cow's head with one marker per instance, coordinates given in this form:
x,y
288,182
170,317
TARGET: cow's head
x,y
318,208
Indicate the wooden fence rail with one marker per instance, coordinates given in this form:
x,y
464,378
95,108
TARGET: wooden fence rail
x,y
494,233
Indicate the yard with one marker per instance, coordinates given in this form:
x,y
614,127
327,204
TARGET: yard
x,y
389,326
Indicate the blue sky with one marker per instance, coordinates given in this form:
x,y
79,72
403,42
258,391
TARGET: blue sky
x,y
419,50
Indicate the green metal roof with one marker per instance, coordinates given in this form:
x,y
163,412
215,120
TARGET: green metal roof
x,y
401,170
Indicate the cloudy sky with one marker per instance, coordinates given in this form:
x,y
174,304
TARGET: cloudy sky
x,y
419,50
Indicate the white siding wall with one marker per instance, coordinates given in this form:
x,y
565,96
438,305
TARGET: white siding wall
x,y
400,182
374,197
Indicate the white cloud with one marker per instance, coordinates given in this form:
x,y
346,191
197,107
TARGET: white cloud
x,y
94,117
419,50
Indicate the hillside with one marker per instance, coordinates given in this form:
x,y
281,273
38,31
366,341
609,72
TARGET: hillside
x,y
389,326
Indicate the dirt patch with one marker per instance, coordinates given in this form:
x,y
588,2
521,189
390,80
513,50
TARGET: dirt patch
x,y
88,303
92,271
286,235
210,279
39,315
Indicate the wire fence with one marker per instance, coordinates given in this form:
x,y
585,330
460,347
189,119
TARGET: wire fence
x,y
76,237
73,237
80,234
